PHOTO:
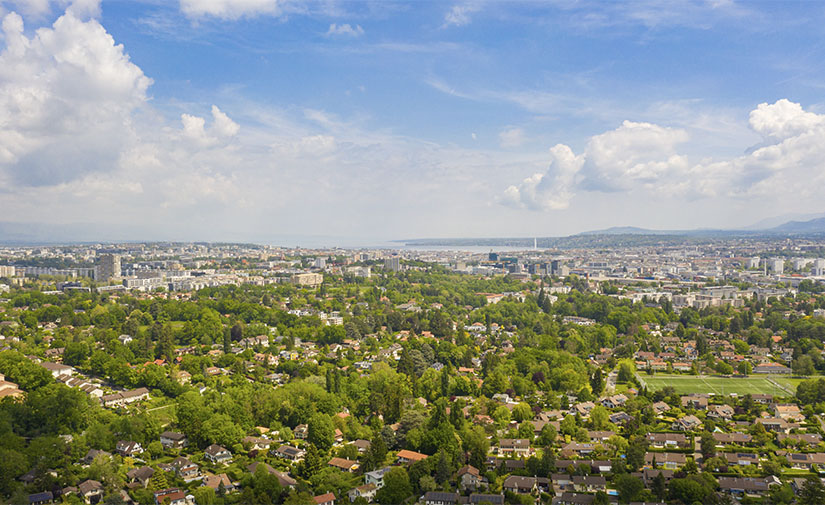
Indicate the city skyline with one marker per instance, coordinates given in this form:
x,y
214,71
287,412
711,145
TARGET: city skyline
x,y
372,121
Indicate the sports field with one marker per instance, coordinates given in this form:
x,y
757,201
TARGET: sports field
x,y
685,384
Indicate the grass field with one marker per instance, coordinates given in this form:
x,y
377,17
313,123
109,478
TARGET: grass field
x,y
685,384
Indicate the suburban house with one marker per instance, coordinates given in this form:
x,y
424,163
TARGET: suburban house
x,y
217,454
173,440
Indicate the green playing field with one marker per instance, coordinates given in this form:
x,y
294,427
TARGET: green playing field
x,y
685,384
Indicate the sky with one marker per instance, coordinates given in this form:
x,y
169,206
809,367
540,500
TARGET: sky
x,y
352,122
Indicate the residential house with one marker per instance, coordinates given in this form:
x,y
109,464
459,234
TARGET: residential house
x,y
468,477
343,464
217,454
405,456
215,481
735,438
367,492
806,461
747,486
173,440
140,476
376,477
741,458
667,440
669,460
325,499
90,490
290,453
687,423
519,447
520,485
440,498
128,448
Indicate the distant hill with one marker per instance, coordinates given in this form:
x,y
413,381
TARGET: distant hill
x,y
815,226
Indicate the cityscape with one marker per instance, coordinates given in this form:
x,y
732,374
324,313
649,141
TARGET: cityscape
x,y
397,252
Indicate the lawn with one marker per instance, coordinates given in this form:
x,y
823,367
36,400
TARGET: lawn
x,y
685,384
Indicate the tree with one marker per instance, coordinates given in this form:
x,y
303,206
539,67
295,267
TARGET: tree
x,y
396,488
708,445
596,382
812,492
629,487
626,371
599,418
312,463
659,486
204,495
321,432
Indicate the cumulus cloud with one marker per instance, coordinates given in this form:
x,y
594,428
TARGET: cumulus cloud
x,y
345,30
460,14
67,91
644,157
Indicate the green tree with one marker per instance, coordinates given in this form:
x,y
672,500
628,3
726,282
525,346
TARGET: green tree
x,y
629,487
321,432
396,488
812,492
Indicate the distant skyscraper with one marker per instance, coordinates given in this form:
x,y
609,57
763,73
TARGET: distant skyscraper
x,y
818,267
320,262
392,263
107,267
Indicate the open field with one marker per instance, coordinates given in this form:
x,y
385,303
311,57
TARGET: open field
x,y
685,384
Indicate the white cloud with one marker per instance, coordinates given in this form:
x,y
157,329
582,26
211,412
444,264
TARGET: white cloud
x,y
345,30
67,91
511,137
232,9
459,14
643,157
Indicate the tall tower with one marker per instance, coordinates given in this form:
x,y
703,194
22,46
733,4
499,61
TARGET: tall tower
x,y
107,267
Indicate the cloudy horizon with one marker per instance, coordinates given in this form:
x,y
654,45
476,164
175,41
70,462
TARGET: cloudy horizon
x,y
249,120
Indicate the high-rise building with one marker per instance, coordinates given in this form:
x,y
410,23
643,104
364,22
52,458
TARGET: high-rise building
x,y
818,267
392,263
107,267
776,265
320,263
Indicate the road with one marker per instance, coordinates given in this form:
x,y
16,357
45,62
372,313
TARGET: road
x,y
610,386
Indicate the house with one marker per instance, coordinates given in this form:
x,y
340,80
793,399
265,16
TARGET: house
x,y
325,499
468,477
615,401
215,481
90,490
687,423
520,485
620,417
140,476
806,461
735,438
695,402
776,424
741,458
747,486
577,449
519,447
41,498
186,470
660,408
367,492
128,448
376,477
584,408
405,456
494,499
771,368
790,413
440,498
362,445
669,460
599,436
125,397
301,431
172,496
343,464
173,440
217,454
663,440
804,438
56,369
256,443
573,499
589,483
290,453
723,412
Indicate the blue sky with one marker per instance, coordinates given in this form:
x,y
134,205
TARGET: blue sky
x,y
373,120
